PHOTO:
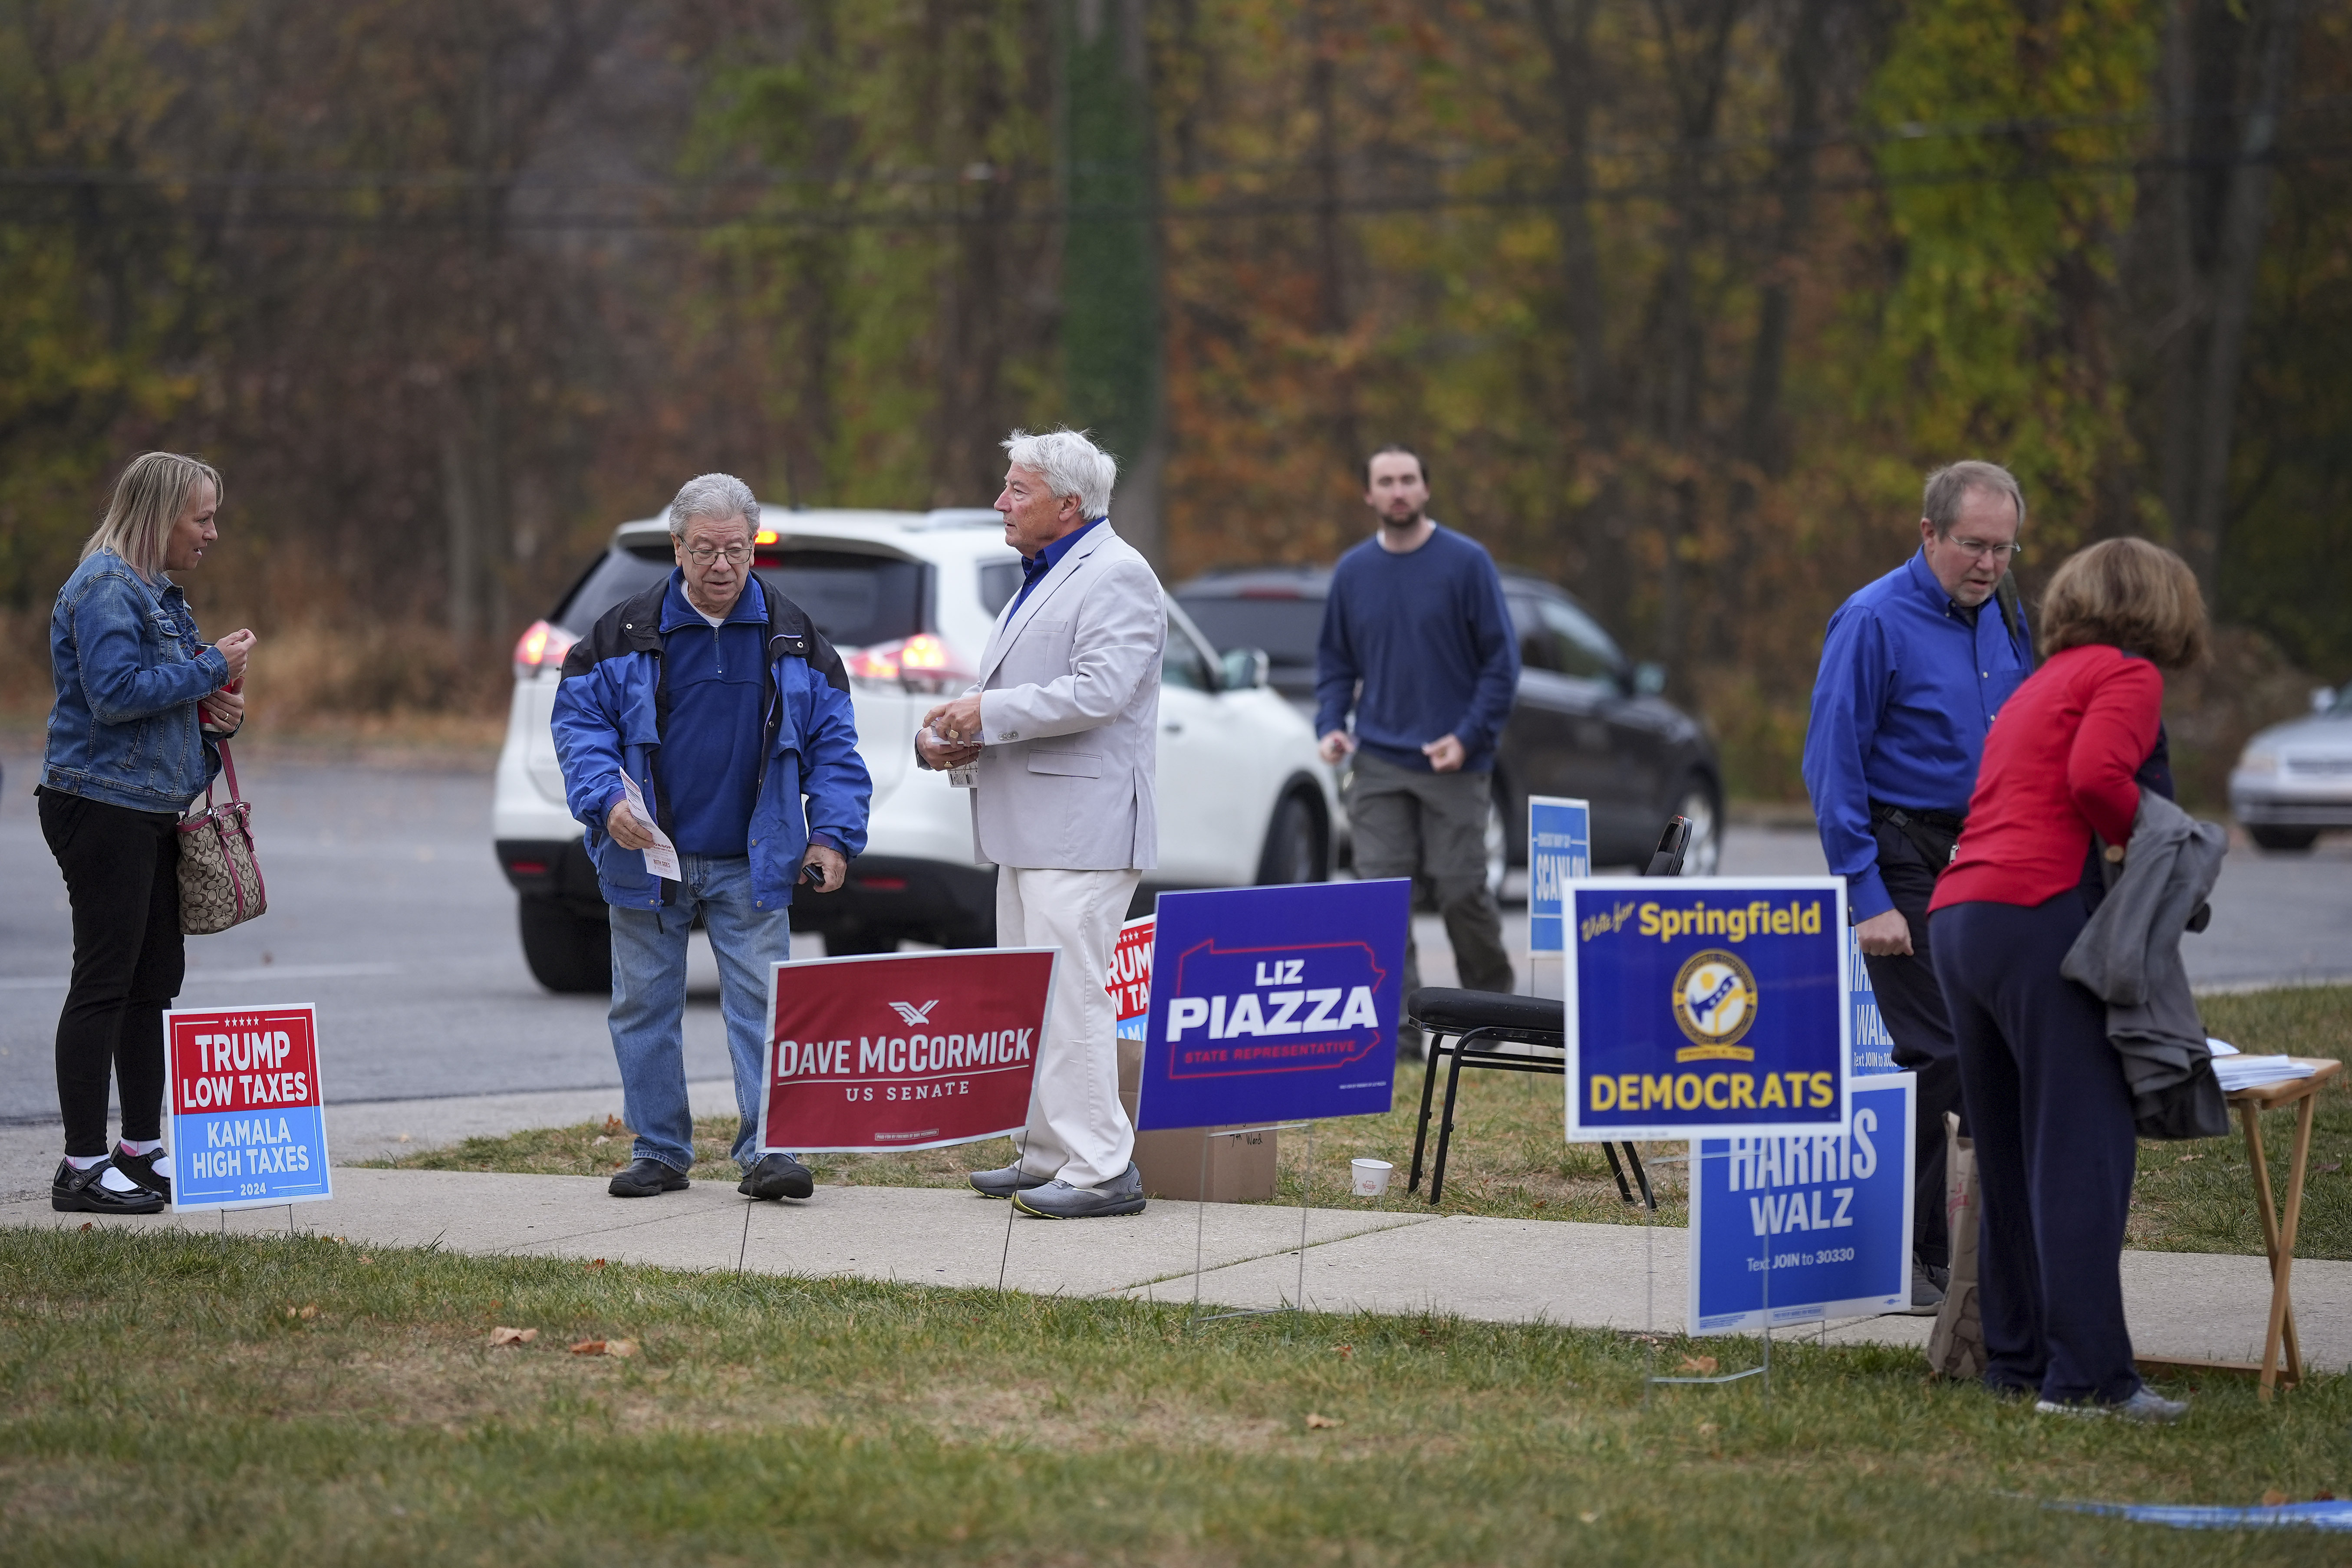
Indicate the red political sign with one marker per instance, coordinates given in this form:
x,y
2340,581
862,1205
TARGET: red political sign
x,y
1129,983
247,1122
902,1050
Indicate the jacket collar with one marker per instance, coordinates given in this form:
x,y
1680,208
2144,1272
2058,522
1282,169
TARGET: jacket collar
x,y
1010,626
749,608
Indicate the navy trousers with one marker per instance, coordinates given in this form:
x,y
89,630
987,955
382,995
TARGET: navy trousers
x,y
2052,1117
1911,1003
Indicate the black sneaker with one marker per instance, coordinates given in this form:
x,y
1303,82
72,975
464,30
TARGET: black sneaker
x,y
81,1192
141,1168
645,1178
777,1176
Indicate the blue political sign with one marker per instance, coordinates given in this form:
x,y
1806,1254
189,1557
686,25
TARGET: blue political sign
x,y
1560,850
1274,1003
1874,1048
1701,1005
244,1117
1794,1229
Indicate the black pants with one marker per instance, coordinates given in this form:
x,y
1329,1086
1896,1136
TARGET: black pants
x,y
2052,1117
1912,1003
123,877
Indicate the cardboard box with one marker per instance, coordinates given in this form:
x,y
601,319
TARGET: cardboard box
x,y
1240,1169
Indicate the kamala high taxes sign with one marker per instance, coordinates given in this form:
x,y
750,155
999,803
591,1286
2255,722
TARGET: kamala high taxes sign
x,y
1698,1006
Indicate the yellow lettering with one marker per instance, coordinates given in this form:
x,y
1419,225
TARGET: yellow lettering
x,y
1628,1092
1658,1091
1824,1094
1813,919
1715,1081
1604,1093
1772,1095
1686,1091
1743,1092
1782,921
1649,926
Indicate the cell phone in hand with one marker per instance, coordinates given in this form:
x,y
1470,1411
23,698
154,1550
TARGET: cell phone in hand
x,y
813,874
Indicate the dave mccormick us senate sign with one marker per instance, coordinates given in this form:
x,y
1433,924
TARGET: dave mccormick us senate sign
x,y
1701,1005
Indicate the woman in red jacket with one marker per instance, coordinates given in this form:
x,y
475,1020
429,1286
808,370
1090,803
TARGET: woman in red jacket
x,y
2046,1099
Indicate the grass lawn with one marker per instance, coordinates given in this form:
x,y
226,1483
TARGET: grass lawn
x,y
186,1398
1509,1159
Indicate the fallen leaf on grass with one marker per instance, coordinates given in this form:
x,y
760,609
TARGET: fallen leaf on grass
x,y
2329,1168
599,1141
1316,1423
305,1312
505,1335
615,1124
1345,1352
2186,1158
614,1347
87,1224
593,1264
2273,1497
1588,1517
1704,1366
364,1258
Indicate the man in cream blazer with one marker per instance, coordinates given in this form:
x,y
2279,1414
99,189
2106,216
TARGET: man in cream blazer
x,y
1059,739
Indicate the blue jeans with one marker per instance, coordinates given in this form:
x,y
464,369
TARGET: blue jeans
x,y
648,1015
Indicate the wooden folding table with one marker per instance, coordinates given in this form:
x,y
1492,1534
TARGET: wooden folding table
x,y
2278,1230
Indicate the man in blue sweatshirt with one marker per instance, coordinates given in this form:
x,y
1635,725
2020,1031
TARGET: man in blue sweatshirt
x,y
1417,642
708,748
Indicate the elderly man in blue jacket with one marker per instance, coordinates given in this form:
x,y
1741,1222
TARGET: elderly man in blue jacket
x,y
712,702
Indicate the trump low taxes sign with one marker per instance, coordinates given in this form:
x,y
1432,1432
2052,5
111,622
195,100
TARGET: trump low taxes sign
x,y
246,1120
903,1050
1698,1006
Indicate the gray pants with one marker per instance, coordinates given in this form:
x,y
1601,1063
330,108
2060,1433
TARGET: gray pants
x,y
1432,827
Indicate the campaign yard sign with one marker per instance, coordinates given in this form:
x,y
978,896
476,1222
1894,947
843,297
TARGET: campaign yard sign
x,y
243,1114
1706,1005
1274,1004
1560,850
1828,1213
1874,1048
902,1050
1130,977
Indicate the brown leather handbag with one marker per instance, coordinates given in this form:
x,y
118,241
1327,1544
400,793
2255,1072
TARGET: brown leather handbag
x,y
220,876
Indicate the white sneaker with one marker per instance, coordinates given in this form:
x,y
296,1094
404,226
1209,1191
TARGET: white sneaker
x,y
2146,1406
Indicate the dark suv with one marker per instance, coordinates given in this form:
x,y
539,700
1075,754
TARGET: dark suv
x,y
1587,722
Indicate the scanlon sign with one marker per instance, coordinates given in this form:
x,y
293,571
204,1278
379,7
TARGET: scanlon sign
x,y
1705,1005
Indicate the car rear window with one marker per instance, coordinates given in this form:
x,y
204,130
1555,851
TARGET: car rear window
x,y
1285,628
856,600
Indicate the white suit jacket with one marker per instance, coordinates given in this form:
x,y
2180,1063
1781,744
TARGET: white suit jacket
x,y
1069,713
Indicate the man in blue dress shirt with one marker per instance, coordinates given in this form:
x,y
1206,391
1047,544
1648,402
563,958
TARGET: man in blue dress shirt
x,y
1914,667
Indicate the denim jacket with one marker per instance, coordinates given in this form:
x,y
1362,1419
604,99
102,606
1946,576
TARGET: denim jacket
x,y
130,672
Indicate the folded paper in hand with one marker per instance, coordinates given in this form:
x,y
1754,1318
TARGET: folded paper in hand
x,y
662,859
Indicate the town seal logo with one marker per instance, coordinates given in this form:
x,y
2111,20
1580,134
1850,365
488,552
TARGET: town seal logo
x,y
1714,1003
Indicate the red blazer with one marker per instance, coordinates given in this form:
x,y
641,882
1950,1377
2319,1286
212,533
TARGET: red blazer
x,y
2058,767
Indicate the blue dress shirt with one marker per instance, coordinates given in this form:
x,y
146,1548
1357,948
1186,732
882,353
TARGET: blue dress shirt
x,y
1907,691
1033,568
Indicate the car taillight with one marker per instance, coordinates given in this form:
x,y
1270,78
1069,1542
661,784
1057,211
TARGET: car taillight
x,y
919,663
542,648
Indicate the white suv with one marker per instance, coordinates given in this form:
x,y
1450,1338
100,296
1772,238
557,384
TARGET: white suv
x,y
909,598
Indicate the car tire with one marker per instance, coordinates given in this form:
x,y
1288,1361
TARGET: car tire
x,y
854,941
1297,848
569,953
2288,841
1697,801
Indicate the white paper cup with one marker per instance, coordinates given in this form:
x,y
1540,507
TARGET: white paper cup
x,y
1371,1176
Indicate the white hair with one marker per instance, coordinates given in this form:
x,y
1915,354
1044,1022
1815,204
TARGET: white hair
x,y
1072,464
716,495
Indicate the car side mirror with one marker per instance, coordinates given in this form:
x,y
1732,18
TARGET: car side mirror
x,y
1245,669
1648,679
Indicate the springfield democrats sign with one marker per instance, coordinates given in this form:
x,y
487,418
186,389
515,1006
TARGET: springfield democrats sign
x,y
903,1050
1705,1005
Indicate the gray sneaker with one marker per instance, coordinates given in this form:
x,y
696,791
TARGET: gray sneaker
x,y
2146,1406
1123,1194
1005,1182
1925,1295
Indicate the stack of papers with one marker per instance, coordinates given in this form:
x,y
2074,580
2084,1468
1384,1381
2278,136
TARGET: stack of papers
x,y
2236,1071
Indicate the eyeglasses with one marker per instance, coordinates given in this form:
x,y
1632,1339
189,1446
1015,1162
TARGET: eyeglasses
x,y
703,555
1978,548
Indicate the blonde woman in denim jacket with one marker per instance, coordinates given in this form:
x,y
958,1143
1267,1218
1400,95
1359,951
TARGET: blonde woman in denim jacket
x,y
134,737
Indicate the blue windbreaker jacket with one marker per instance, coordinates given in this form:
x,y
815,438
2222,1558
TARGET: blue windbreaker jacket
x,y
609,711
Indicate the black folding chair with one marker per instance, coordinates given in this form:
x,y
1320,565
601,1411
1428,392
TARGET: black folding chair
x,y
1482,1025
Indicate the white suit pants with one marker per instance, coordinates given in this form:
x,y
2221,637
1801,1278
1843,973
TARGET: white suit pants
x,y
1077,1129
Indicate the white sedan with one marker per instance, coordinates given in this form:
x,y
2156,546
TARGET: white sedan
x,y
909,598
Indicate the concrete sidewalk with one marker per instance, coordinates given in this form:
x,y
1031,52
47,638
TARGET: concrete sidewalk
x,y
1398,1260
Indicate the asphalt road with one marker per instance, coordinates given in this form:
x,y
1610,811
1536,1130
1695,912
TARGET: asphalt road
x,y
387,911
